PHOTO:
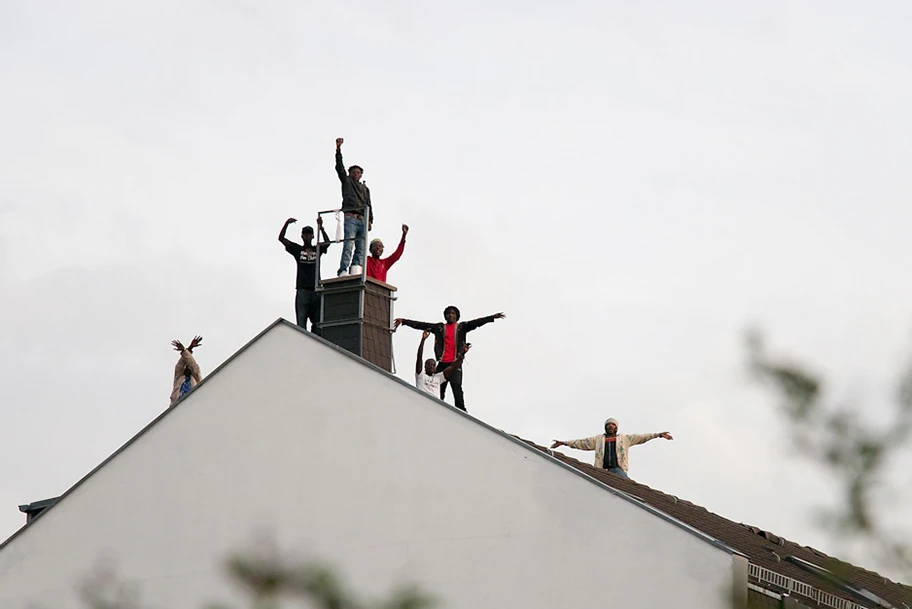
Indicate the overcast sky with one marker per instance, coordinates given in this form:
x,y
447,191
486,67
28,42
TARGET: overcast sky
x,y
632,183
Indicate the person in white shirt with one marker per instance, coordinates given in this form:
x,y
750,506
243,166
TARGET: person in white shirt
x,y
427,377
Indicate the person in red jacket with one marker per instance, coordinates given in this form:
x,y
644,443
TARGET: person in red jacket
x,y
449,340
377,266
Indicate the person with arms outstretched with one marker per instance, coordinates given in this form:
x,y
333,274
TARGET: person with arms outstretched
x,y
377,266
307,300
449,340
186,372
427,379
611,448
356,205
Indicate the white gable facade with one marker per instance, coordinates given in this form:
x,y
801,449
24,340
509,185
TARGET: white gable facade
x,y
336,460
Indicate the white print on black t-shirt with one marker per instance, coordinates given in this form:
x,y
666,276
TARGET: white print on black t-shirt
x,y
307,255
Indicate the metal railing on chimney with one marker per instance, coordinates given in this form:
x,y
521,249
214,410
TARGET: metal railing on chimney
x,y
365,219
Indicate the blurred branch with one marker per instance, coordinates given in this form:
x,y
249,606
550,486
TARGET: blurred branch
x,y
266,579
269,578
835,438
105,590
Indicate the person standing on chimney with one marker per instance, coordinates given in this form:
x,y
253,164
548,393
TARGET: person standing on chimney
x,y
356,204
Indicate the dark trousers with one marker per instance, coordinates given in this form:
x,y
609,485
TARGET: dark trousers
x,y
456,381
307,305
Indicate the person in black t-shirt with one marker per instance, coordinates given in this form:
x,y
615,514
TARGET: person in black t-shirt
x,y
307,301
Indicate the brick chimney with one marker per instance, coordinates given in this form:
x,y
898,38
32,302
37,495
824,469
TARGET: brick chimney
x,y
357,315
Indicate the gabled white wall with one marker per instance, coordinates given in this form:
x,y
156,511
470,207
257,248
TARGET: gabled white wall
x,y
349,465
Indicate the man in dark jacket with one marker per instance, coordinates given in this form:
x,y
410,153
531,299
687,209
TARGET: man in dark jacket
x,y
356,204
449,340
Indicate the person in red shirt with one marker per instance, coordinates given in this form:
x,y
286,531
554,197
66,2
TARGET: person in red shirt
x,y
377,266
449,340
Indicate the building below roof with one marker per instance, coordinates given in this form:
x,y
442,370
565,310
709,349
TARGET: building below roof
x,y
393,486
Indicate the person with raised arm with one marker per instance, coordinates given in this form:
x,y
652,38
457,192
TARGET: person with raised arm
x,y
377,266
427,379
307,300
449,340
186,372
356,204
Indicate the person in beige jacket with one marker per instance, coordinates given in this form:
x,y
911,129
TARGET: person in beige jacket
x,y
611,448
186,372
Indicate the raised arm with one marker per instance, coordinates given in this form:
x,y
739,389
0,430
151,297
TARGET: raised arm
x,y
322,230
190,362
419,363
282,238
391,260
456,363
340,166
477,323
581,444
186,359
418,325
642,438
179,367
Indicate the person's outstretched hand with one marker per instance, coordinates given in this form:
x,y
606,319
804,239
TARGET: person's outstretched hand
x,y
666,435
196,342
339,141
178,346
500,315
557,443
396,323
